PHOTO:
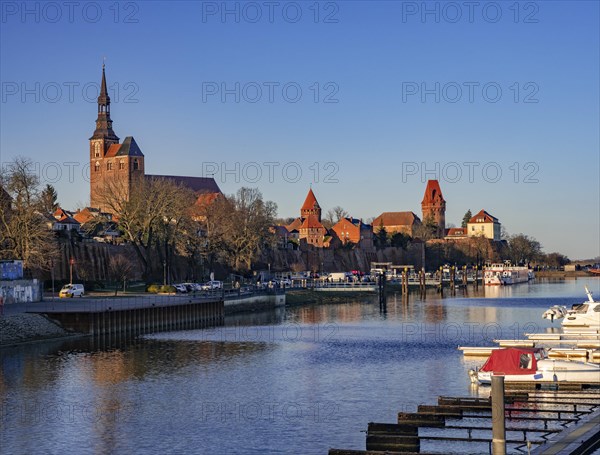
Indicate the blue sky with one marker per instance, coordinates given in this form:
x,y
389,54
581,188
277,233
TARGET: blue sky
x,y
500,103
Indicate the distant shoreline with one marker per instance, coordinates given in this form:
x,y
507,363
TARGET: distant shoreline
x,y
562,274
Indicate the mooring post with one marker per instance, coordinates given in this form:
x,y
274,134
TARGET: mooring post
x,y
498,420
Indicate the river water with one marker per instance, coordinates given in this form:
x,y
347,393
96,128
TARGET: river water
x,y
298,380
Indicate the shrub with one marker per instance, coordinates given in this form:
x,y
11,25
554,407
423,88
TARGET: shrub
x,y
154,288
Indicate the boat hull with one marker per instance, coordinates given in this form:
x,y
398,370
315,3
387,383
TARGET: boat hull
x,y
551,371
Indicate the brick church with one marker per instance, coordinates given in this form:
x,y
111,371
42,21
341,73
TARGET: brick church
x,y
111,161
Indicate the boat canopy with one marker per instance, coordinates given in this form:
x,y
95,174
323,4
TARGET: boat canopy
x,y
512,361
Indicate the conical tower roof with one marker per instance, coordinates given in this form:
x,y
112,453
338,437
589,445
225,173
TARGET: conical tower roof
x,y
310,202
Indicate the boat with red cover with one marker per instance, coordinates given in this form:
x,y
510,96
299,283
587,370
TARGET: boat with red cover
x,y
532,365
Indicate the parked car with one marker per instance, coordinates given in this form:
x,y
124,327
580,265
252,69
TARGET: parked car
x,y
181,288
285,282
210,285
71,290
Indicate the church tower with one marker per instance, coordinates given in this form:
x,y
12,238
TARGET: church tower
x,y
310,206
110,162
433,207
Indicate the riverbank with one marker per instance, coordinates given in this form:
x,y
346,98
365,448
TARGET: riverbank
x,y
24,328
562,274
297,297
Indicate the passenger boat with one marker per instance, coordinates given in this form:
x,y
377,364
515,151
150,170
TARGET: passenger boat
x,y
499,274
532,365
586,314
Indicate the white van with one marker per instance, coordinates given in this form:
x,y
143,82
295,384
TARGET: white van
x,y
71,290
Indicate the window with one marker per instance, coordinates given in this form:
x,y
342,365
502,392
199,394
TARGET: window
x,y
109,165
97,150
121,165
136,165
97,167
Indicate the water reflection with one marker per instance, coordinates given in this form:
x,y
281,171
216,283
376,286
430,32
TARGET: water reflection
x,y
297,380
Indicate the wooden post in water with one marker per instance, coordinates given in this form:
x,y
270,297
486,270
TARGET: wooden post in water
x,y
441,289
498,420
476,278
464,277
422,281
452,278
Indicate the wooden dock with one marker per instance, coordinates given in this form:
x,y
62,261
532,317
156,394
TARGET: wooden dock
x,y
456,421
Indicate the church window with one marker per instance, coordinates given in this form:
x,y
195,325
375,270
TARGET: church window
x,y
109,166
136,165
97,150
97,167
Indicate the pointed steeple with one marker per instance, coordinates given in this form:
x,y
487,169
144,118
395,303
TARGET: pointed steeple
x,y
103,122
310,206
103,98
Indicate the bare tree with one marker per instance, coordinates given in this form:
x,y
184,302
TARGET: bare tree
x,y
237,227
151,215
119,269
24,233
335,214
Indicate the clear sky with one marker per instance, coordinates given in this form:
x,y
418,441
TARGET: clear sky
x,y
363,100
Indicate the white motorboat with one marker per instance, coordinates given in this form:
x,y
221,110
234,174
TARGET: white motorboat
x,y
586,314
532,365
555,312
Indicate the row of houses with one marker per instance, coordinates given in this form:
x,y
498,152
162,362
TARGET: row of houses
x,y
308,227
89,222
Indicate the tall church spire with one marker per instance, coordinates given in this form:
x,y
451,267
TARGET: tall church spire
x,y
103,122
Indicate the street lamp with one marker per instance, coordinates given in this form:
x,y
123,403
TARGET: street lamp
x,y
164,273
71,262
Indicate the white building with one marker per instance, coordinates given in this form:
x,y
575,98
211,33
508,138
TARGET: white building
x,y
484,225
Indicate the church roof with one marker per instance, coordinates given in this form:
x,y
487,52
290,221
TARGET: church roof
x,y
433,193
483,217
396,219
196,184
310,202
128,148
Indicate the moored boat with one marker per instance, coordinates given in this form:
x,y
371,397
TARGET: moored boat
x,y
586,314
532,365
555,312
499,274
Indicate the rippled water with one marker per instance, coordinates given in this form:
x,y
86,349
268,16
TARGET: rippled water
x,y
299,380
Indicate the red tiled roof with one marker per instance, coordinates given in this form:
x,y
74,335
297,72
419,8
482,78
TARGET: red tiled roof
x,y
433,193
205,199
457,231
112,151
396,219
294,225
83,216
483,215
311,222
310,202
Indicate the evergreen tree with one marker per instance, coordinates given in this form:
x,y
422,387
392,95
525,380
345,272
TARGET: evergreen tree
x,y
466,218
48,199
